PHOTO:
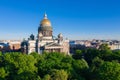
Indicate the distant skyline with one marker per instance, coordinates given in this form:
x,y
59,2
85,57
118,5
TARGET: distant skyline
x,y
75,19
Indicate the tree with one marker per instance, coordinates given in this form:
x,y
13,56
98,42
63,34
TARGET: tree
x,y
59,75
116,52
18,64
3,73
47,77
104,47
27,76
57,66
93,70
116,55
36,56
80,67
78,54
109,71
48,62
105,52
1,59
90,54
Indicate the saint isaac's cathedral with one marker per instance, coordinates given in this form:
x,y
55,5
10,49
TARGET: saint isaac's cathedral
x,y
45,40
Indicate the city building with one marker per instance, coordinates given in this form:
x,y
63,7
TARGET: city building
x,y
45,40
85,44
10,45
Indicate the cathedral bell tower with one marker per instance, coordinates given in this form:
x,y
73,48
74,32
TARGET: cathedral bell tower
x,y
45,29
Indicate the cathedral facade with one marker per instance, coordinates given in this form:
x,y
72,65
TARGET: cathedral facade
x,y
45,40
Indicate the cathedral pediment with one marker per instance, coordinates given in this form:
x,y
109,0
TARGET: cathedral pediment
x,y
53,45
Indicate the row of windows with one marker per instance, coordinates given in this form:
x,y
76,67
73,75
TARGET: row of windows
x,y
47,33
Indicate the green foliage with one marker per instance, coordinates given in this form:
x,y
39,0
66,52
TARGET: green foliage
x,y
36,56
90,64
78,54
0,53
21,62
3,73
17,65
117,52
52,61
104,47
1,59
80,65
27,76
97,62
90,54
59,75
109,71
47,77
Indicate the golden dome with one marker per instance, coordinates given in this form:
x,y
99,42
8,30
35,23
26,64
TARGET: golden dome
x,y
45,21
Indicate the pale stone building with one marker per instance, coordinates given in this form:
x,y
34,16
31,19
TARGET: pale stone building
x,y
45,40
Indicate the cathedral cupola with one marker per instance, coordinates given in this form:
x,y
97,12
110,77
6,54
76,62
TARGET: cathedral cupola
x,y
45,21
45,27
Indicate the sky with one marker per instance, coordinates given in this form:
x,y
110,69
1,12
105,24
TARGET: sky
x,y
75,19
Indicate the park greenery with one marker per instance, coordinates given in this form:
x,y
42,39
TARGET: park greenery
x,y
88,64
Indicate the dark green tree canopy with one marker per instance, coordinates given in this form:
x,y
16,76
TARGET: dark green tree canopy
x,y
89,64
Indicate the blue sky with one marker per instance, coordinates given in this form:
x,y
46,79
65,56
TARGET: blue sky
x,y
75,19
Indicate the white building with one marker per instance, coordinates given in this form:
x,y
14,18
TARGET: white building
x,y
45,40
